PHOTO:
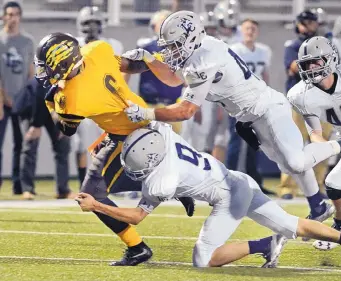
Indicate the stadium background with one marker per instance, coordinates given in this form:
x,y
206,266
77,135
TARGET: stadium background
x,y
41,17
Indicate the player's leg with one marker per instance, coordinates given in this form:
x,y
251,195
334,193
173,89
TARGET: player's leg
x,y
282,142
333,186
81,152
221,137
18,141
28,167
62,150
3,125
226,215
269,214
107,160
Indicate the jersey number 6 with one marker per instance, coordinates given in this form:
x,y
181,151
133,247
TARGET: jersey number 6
x,y
194,158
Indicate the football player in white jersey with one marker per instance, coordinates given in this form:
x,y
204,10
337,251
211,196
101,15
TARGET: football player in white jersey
x,y
214,72
90,24
317,97
226,14
257,56
168,166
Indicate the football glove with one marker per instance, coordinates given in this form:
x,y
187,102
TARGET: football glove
x,y
136,113
139,55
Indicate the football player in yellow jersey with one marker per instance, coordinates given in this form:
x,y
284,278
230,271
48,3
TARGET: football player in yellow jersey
x,y
87,83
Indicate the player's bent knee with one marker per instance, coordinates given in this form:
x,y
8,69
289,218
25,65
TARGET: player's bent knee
x,y
333,193
294,165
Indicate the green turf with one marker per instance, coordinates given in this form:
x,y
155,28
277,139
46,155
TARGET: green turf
x,y
66,244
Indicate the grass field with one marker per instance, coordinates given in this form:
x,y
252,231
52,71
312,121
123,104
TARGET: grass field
x,y
53,241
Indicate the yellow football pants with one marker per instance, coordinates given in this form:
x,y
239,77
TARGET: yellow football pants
x,y
287,184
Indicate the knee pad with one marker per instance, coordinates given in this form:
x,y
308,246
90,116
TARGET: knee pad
x,y
294,165
200,256
333,194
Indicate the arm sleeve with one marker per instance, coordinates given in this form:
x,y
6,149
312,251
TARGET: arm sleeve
x,y
40,112
312,123
148,204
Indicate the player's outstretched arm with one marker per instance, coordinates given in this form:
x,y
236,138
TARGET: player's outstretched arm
x,y
172,113
129,215
161,70
132,67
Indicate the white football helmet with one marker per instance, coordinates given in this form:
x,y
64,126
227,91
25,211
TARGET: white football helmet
x,y
227,13
180,34
90,22
315,50
142,151
209,23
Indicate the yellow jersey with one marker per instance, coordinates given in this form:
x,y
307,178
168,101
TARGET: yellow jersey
x,y
99,92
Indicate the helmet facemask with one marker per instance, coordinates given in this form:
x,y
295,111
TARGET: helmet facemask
x,y
316,74
174,52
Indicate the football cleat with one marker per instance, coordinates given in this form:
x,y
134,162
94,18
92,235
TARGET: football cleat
x,y
329,211
277,244
189,205
325,245
134,255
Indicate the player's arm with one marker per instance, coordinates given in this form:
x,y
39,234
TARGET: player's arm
x,y
192,99
129,215
153,62
132,67
314,128
68,123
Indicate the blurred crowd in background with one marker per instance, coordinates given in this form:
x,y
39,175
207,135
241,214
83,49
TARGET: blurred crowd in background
x,y
210,130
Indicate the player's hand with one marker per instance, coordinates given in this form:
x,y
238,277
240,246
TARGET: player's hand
x,y
136,113
86,202
139,55
33,133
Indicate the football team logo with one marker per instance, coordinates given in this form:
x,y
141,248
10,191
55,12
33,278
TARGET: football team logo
x,y
186,25
61,102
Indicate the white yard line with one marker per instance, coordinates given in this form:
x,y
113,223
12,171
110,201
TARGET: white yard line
x,y
49,211
166,263
190,238
119,201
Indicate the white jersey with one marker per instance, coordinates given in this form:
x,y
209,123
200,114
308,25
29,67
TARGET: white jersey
x,y
309,100
217,73
184,173
257,59
115,44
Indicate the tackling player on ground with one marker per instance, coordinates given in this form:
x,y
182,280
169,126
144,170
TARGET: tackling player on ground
x,y
169,167
87,83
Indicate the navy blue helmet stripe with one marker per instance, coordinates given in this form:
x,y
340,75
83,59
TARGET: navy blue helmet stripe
x,y
137,140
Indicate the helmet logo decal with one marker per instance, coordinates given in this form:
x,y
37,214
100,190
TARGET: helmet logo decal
x,y
153,158
186,25
58,52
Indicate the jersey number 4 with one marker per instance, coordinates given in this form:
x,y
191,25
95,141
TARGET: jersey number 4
x,y
242,64
332,117
189,155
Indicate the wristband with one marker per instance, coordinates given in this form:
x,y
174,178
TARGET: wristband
x,y
150,114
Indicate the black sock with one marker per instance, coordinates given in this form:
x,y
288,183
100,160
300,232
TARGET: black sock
x,y
115,225
81,174
337,222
